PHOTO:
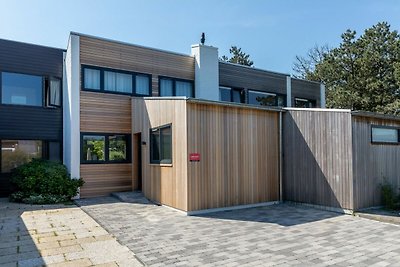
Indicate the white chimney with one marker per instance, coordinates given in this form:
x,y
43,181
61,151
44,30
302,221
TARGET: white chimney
x,y
206,72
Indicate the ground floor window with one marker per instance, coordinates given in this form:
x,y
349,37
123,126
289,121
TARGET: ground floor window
x,y
17,152
382,134
105,148
161,145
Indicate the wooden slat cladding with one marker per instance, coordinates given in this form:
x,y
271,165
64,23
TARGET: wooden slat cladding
x,y
243,77
373,162
166,184
307,90
105,113
99,52
103,179
318,158
239,150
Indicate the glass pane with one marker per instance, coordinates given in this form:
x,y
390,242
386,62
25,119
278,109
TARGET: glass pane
x,y
263,99
21,89
225,94
17,152
110,81
302,103
166,145
142,85
117,147
183,89
386,135
236,97
281,101
166,87
124,83
93,148
55,92
92,79
155,145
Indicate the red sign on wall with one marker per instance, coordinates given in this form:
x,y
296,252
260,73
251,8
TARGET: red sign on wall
x,y
194,156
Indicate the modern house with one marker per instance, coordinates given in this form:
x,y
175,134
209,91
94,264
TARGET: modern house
x,y
31,105
195,133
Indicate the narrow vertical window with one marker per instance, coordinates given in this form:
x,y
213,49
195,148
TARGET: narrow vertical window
x,y
142,85
161,145
55,93
166,87
91,79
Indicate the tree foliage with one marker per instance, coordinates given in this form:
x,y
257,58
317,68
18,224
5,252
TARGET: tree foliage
x,y
363,73
238,56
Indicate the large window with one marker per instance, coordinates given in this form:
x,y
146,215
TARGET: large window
x,y
105,148
231,95
266,99
115,81
175,87
21,89
304,103
17,152
161,145
381,134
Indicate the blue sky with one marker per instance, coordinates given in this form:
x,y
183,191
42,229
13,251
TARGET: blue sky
x,y
272,32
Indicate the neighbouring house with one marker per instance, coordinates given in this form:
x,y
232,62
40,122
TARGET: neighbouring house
x,y
31,118
195,133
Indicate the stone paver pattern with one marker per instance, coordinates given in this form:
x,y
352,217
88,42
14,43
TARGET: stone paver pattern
x,y
278,235
56,235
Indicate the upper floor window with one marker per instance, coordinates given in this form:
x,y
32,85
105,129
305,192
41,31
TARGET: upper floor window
x,y
175,87
381,134
231,95
266,99
29,90
21,89
116,81
304,103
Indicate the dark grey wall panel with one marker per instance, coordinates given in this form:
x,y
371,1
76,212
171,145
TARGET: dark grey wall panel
x,y
30,59
244,77
22,122
306,89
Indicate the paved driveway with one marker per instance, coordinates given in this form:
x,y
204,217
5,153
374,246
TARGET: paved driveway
x,y
275,235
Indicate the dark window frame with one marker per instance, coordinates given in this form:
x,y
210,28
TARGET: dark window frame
x,y
160,161
312,101
106,149
270,93
102,88
232,90
45,91
385,127
174,80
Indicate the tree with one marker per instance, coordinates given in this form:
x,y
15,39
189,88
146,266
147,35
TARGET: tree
x,y
304,66
238,57
363,73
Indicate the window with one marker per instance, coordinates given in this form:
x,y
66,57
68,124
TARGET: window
x,y
105,148
161,145
54,93
116,81
17,152
175,87
117,148
231,95
93,148
91,79
21,89
304,103
385,135
266,99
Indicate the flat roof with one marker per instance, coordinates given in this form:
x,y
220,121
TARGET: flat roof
x,y
44,46
376,115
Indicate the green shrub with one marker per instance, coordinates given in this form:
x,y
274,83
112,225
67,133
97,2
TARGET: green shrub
x,y
389,198
43,182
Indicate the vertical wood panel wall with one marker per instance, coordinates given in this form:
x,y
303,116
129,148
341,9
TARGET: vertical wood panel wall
x,y
166,184
104,53
239,150
373,162
318,158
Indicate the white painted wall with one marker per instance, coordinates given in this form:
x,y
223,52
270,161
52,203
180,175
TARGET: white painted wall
x,y
206,72
288,91
323,97
71,118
